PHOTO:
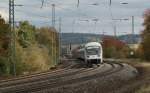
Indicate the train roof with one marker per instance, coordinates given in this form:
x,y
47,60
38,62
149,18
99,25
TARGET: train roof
x,y
92,44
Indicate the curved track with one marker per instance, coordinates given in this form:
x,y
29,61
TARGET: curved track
x,y
72,74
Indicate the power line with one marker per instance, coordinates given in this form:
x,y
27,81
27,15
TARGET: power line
x,y
55,6
73,11
83,14
41,16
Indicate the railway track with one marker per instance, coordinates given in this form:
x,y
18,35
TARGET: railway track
x,y
24,77
64,77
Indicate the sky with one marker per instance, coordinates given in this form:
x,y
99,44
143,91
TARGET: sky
x,y
81,19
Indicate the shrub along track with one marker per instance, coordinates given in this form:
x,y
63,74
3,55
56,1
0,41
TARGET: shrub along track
x,y
55,81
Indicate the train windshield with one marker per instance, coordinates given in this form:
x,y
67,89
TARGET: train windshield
x,y
93,51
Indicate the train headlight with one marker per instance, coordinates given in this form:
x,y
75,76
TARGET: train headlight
x,y
88,56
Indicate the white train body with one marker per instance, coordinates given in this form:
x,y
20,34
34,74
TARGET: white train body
x,y
91,53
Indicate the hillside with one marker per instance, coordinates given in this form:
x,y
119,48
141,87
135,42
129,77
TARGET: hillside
x,y
79,38
128,38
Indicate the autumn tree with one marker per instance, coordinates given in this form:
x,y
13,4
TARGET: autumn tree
x,y
49,38
4,46
146,35
26,34
114,48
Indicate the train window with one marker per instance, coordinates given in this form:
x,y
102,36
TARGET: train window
x,y
93,51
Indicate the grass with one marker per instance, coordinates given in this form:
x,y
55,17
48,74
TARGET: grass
x,y
38,59
144,77
144,89
33,59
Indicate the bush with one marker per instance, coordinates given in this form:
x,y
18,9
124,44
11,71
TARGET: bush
x,y
109,52
32,59
4,66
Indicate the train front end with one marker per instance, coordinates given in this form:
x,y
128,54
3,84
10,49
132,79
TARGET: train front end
x,y
93,53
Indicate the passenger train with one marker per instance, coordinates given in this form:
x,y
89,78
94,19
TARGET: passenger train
x,y
91,53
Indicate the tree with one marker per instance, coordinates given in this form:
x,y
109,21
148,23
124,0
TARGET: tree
x,y
114,48
146,35
26,33
33,47
49,38
4,46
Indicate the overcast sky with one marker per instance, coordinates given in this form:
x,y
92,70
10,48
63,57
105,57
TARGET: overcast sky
x,y
73,16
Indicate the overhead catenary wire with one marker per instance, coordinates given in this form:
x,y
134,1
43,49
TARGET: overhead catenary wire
x,y
36,15
32,14
66,9
79,13
58,6
46,21
113,23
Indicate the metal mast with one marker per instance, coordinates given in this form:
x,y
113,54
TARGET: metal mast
x,y
53,15
132,30
59,39
12,34
53,34
115,31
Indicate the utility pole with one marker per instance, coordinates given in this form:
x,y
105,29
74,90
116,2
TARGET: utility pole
x,y
78,3
73,24
53,15
115,31
110,2
59,39
132,29
115,27
12,34
53,34
103,33
95,20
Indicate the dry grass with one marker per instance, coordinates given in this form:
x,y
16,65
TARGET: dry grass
x,y
37,58
142,82
33,59
145,85
144,89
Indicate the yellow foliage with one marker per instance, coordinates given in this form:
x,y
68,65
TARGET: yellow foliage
x,y
40,55
37,58
33,59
